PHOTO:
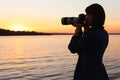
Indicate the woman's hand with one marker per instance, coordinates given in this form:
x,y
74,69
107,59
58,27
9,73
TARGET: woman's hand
x,y
78,30
86,28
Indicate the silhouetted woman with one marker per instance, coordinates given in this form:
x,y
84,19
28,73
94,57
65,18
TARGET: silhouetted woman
x,y
90,45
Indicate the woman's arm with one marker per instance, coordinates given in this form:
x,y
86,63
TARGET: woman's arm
x,y
82,43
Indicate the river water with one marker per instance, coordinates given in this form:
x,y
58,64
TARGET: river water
x,y
48,58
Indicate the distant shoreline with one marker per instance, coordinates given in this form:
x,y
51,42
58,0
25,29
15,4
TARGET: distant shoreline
x,y
44,34
114,33
4,32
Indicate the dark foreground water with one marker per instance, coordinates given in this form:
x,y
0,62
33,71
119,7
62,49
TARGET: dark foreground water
x,y
47,58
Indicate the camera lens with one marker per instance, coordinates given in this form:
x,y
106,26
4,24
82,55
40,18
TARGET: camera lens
x,y
65,20
71,20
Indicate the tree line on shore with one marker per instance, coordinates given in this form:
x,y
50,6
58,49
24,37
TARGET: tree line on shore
x,y
4,32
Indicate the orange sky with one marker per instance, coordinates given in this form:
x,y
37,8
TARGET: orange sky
x,y
45,16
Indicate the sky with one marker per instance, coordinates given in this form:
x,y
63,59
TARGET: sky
x,y
45,15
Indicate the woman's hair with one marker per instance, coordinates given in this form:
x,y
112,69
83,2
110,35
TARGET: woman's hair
x,y
98,14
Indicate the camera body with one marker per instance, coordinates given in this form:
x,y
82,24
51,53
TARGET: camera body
x,y
70,20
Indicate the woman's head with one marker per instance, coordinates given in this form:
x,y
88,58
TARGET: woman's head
x,y
96,15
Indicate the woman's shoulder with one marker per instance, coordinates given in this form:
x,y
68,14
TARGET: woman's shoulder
x,y
97,33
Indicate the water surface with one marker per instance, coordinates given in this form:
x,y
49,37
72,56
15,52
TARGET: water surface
x,y
47,58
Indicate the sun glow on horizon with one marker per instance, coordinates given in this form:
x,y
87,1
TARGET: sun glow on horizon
x,y
19,27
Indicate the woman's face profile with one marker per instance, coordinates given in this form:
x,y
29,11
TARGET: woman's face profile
x,y
89,19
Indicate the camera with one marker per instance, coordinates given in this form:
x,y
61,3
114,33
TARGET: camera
x,y
70,20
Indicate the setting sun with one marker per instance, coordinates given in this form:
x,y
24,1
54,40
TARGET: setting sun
x,y
18,27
